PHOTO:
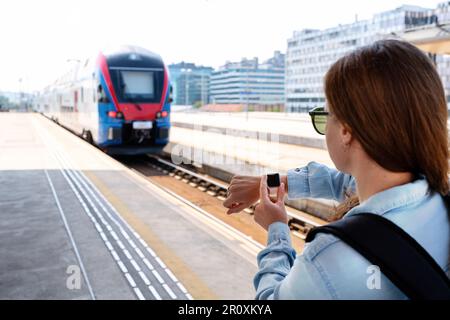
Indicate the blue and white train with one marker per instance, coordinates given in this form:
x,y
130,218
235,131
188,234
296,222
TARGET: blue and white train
x,y
119,101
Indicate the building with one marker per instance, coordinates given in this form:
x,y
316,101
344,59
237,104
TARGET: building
x,y
250,83
310,53
442,14
190,83
9,99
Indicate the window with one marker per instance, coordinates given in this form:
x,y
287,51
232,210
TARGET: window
x,y
138,83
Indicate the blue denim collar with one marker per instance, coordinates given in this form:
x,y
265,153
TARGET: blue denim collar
x,y
392,198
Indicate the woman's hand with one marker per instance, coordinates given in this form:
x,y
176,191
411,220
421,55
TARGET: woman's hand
x,y
267,211
243,192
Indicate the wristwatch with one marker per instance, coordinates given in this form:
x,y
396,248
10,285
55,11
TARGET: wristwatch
x,y
273,182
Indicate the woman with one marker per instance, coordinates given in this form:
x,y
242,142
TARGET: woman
x,y
386,131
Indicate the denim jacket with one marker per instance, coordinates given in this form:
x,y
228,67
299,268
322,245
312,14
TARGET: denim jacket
x,y
330,269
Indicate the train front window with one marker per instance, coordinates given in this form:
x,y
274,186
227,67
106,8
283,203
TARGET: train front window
x,y
137,86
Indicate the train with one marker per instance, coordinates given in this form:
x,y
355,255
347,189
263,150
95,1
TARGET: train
x,y
119,100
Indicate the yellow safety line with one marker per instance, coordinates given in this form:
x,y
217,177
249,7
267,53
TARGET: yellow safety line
x,y
196,287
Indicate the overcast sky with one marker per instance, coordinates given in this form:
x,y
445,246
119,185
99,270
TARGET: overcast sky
x,y
38,37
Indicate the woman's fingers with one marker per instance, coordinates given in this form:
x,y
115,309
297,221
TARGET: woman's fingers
x,y
263,193
228,202
280,194
237,208
236,196
242,192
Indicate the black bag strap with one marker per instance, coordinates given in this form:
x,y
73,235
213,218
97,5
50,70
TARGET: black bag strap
x,y
400,258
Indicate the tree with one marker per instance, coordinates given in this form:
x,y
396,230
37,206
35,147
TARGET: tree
x,y
197,104
4,102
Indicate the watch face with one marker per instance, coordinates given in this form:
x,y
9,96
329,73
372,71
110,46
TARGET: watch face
x,y
273,180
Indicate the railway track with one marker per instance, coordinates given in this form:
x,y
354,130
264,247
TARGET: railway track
x,y
299,222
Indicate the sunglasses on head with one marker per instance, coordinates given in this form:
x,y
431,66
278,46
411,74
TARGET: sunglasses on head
x,y
319,119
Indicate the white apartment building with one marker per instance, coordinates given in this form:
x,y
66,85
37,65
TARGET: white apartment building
x,y
310,53
250,82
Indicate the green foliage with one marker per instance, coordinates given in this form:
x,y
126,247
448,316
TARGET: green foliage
x,y
4,102
197,104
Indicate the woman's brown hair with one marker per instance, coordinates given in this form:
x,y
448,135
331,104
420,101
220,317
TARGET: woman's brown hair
x,y
391,97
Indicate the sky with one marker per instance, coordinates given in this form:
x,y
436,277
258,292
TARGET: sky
x,y
40,39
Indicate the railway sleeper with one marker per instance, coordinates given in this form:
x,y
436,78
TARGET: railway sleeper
x,y
194,182
186,177
213,190
203,186
299,228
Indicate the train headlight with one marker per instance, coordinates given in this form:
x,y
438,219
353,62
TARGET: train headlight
x,y
162,114
115,114
112,114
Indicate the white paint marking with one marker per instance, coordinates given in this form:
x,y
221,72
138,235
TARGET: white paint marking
x,y
148,264
182,288
110,247
135,265
130,280
139,294
120,244
155,293
102,234
157,276
127,254
151,251
144,278
114,235
131,242
139,252
124,234
122,266
98,227
171,275
169,291
160,262
114,254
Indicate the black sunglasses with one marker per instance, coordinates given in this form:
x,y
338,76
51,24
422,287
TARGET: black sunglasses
x,y
319,119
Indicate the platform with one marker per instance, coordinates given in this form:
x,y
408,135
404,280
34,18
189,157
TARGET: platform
x,y
254,144
290,128
240,147
77,224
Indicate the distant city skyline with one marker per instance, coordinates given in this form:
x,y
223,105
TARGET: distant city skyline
x,y
42,38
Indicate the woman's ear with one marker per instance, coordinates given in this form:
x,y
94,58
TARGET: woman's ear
x,y
346,134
